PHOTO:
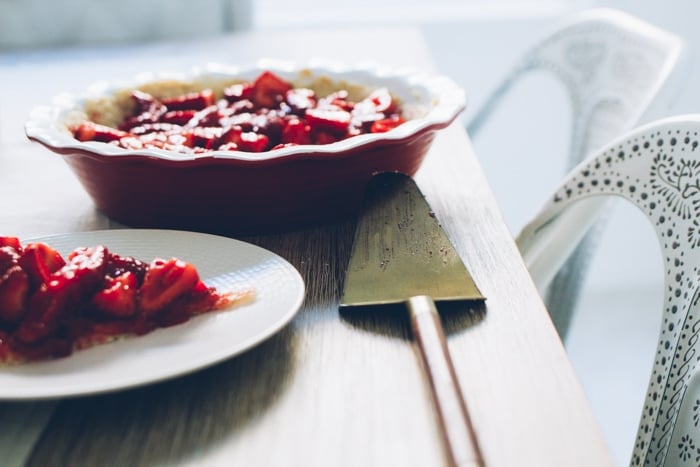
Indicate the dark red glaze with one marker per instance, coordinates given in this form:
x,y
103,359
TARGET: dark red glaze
x,y
51,306
251,117
240,194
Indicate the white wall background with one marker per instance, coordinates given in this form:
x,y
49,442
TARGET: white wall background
x,y
59,23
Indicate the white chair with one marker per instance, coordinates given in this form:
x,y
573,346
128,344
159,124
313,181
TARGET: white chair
x,y
618,71
657,168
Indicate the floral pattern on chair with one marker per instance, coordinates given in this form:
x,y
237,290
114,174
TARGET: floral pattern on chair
x,y
657,168
685,447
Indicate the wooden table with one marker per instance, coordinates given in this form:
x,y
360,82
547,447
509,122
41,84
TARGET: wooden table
x,y
329,389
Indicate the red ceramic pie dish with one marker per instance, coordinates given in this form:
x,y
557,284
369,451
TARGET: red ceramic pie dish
x,y
236,192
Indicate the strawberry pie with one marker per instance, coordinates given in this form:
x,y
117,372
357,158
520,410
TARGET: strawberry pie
x,y
264,114
52,305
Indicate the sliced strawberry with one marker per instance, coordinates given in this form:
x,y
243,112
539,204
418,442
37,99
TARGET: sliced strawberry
x,y
46,309
325,137
199,299
363,118
149,110
14,294
253,142
90,131
10,250
131,142
166,146
243,121
384,125
334,120
190,101
269,90
178,117
85,269
118,265
162,140
269,123
162,127
143,101
244,106
296,132
231,135
203,137
39,261
381,100
117,298
282,146
247,141
12,242
237,92
228,147
9,257
300,99
64,293
165,282
274,123
206,117
337,99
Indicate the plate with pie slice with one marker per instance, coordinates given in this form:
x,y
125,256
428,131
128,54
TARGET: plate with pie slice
x,y
269,292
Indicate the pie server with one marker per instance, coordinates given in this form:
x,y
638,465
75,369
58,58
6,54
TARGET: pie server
x,y
401,255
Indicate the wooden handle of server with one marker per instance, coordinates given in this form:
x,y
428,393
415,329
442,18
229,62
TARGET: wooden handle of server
x,y
458,433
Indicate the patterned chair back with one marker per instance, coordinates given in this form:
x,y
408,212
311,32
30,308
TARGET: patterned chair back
x,y
657,168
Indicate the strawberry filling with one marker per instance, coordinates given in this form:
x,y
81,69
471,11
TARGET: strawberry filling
x,y
51,306
264,114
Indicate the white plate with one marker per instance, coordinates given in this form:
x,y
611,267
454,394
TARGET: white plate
x,y
224,263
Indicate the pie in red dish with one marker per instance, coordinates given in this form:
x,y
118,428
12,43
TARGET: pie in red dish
x,y
231,150
267,113
51,305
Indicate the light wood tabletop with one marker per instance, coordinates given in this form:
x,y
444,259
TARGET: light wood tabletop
x,y
331,388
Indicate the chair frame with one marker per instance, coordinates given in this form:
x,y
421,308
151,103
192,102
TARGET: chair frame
x,y
657,168
618,71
